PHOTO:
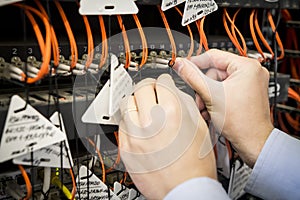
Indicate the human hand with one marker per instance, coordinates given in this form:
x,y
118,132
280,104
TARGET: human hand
x,y
237,102
163,139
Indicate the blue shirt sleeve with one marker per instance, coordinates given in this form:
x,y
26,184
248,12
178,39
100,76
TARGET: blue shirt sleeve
x,y
276,173
198,188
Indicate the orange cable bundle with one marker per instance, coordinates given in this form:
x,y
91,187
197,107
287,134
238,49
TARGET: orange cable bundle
x,y
233,28
45,49
191,36
252,30
173,44
254,23
27,182
126,41
54,42
261,36
100,158
73,45
37,32
90,40
104,53
232,35
143,38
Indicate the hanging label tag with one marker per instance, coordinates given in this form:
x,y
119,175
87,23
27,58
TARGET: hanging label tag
x,y
6,2
91,187
238,179
107,7
121,191
120,85
223,162
135,195
50,156
196,9
26,130
167,4
105,107
97,112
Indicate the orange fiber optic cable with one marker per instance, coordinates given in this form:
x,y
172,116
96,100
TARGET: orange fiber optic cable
x,y
233,28
270,18
203,40
27,182
44,69
73,45
126,41
173,44
118,156
252,31
90,41
232,38
74,185
104,53
54,42
191,36
143,38
100,158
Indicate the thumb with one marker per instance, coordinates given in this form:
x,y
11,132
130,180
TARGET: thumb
x,y
191,74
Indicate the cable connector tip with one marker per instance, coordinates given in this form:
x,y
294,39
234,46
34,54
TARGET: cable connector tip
x,y
171,63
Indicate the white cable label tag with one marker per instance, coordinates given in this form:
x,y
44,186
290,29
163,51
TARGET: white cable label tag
x,y
6,2
167,4
135,195
196,9
26,130
107,7
97,112
50,156
91,187
121,191
120,85
105,107
238,179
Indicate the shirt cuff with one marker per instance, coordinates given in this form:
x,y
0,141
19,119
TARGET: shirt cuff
x,y
198,188
276,168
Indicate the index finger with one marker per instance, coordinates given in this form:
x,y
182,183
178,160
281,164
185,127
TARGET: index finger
x,y
214,58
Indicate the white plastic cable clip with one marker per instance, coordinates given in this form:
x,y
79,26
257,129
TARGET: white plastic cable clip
x,y
79,66
161,60
15,69
15,76
32,69
64,67
78,72
93,66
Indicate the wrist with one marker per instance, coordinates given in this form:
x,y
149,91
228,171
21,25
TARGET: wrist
x,y
256,144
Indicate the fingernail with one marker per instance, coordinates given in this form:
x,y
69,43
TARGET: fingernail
x,y
178,65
